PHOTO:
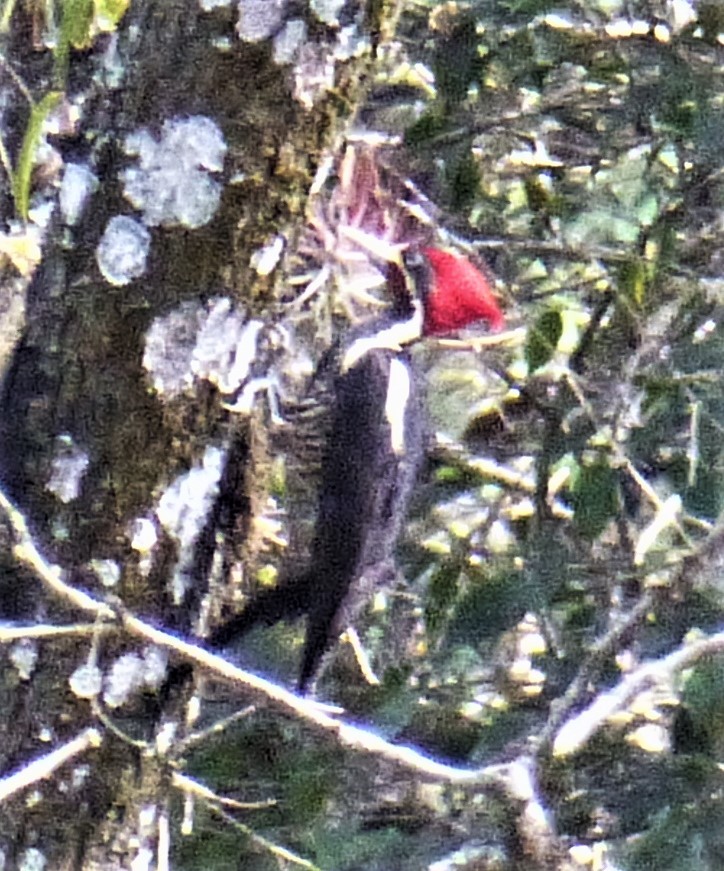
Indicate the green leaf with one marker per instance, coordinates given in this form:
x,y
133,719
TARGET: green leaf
x,y
441,593
428,126
595,498
704,694
76,23
108,14
633,280
543,338
26,160
490,606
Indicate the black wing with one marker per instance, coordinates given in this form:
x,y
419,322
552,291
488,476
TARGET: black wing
x,y
369,467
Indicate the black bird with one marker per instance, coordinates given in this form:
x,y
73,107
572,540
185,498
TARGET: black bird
x,y
371,459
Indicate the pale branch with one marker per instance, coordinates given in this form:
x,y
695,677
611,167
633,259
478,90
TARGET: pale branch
x,y
684,576
163,845
41,768
352,638
26,553
602,650
11,633
264,843
515,338
454,454
505,780
576,731
194,739
534,834
353,737
192,787
111,727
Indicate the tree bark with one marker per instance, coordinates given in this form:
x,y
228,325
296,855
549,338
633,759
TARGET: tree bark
x,y
78,388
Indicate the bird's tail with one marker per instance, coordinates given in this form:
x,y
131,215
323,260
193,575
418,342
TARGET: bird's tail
x,y
287,601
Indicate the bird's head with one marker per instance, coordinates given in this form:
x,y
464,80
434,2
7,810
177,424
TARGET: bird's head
x,y
457,294
454,293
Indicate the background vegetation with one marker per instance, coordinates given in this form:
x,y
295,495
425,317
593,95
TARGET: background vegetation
x,y
555,649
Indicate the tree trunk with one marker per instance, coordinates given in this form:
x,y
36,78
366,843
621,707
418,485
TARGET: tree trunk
x,y
108,421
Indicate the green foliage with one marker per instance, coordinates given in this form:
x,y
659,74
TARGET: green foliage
x,y
428,126
463,180
213,846
595,496
347,849
633,278
703,697
307,781
80,22
441,594
543,339
584,163
391,703
490,605
7,12
529,7
680,839
26,159
77,16
456,61
109,13
442,731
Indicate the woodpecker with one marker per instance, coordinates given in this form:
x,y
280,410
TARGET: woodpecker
x,y
372,455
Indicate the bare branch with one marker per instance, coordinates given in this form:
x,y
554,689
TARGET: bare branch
x,y
275,849
193,787
532,823
44,766
353,737
199,737
8,634
574,734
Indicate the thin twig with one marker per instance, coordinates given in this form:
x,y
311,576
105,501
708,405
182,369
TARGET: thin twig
x,y
686,574
193,787
98,712
44,766
275,849
352,737
200,737
450,452
9,634
18,82
576,731
595,659
503,779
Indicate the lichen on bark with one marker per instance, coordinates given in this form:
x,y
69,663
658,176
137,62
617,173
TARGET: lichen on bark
x,y
77,371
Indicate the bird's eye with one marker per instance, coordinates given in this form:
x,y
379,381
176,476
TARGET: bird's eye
x,y
417,269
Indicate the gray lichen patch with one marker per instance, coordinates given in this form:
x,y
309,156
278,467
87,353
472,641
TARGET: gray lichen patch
x,y
123,250
259,19
171,182
215,343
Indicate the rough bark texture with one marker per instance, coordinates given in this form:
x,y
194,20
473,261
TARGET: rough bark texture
x,y
77,370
